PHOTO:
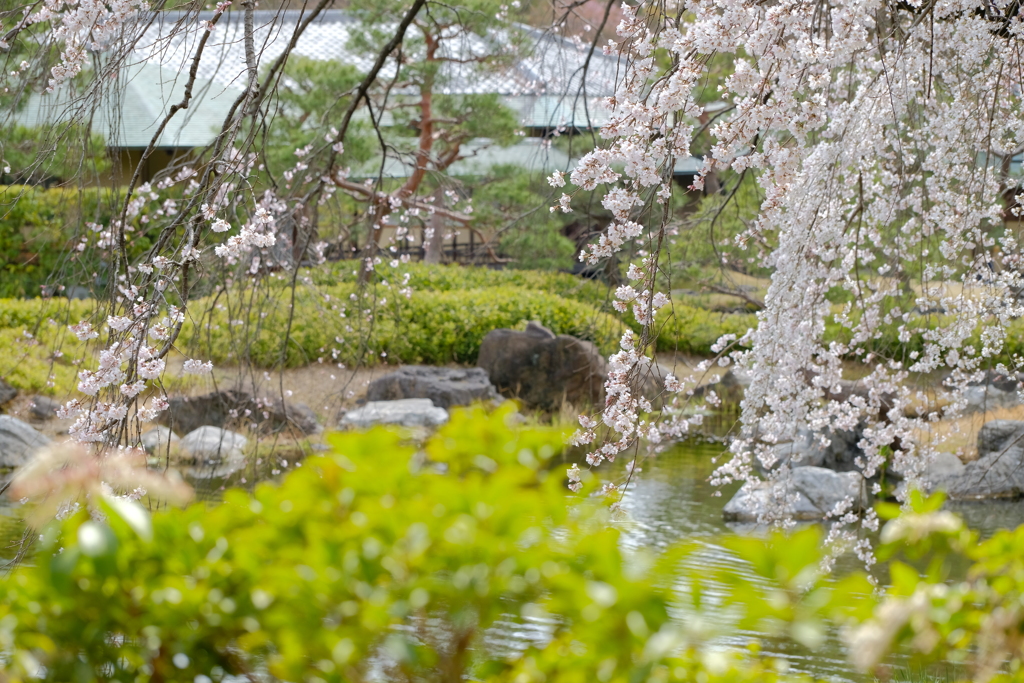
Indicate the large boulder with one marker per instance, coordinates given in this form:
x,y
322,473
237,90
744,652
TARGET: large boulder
x,y
210,444
984,397
236,408
999,470
445,387
159,441
543,369
7,392
809,493
406,412
18,441
835,450
936,473
43,408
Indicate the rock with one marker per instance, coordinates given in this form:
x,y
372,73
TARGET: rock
x,y
212,444
984,397
807,450
407,412
159,441
999,381
939,473
810,493
999,470
445,387
543,369
7,392
736,378
228,408
43,408
18,441
752,500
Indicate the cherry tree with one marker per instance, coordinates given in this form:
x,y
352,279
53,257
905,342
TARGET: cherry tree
x,y
881,136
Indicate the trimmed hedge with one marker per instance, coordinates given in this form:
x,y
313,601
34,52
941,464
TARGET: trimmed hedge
x,y
434,327
38,230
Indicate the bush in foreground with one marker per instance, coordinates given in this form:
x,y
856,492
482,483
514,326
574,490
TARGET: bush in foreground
x,y
387,560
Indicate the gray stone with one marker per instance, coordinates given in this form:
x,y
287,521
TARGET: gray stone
x,y
43,408
445,387
753,499
542,369
985,397
936,474
213,443
18,441
736,378
809,493
7,392
159,440
943,466
806,450
997,435
407,412
228,408
999,470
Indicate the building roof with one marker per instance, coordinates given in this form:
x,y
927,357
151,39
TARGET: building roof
x,y
548,65
479,156
131,111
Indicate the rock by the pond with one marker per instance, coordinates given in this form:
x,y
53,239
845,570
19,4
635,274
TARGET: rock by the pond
x,y
984,397
445,387
213,443
839,454
999,470
159,441
406,412
43,408
7,392
543,369
18,441
230,407
810,493
941,469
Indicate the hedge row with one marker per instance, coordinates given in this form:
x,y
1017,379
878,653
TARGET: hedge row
x,y
433,327
38,230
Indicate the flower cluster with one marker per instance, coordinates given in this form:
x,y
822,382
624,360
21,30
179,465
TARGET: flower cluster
x,y
882,157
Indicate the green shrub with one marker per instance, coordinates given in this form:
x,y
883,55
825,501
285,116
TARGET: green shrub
x,y
389,561
435,327
444,278
39,229
38,351
33,363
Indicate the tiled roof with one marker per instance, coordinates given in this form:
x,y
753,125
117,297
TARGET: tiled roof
x,y
551,66
479,156
542,86
130,118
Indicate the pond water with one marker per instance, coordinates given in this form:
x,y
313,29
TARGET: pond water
x,y
669,500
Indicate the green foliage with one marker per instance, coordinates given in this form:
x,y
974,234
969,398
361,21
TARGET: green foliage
x,y
313,95
59,153
389,559
938,615
38,350
31,364
416,561
40,230
688,329
708,237
435,327
512,199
